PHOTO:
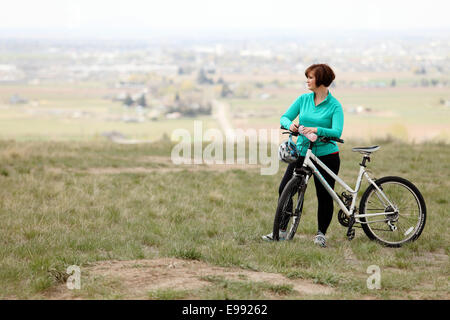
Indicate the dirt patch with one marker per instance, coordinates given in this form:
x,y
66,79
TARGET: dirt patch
x,y
139,277
437,257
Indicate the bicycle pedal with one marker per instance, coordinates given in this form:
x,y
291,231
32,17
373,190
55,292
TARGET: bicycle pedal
x,y
350,234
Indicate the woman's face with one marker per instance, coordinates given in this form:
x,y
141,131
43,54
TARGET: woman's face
x,y
311,81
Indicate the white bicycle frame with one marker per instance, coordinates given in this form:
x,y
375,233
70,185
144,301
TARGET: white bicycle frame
x,y
362,172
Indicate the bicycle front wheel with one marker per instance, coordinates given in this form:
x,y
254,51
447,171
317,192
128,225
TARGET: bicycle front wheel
x,y
289,209
403,211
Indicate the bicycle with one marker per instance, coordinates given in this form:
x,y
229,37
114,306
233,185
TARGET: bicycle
x,y
392,210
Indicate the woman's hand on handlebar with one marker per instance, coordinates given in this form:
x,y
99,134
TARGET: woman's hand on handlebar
x,y
294,127
307,130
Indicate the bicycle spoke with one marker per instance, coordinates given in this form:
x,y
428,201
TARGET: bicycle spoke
x,y
399,226
406,216
407,231
379,202
387,230
288,218
409,225
413,210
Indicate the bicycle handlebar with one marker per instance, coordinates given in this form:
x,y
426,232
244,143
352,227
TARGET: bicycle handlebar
x,y
327,139
321,138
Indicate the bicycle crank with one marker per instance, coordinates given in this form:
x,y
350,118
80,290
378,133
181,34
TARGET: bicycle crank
x,y
342,218
350,230
350,234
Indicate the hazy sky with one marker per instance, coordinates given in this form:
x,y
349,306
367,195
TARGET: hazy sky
x,y
103,16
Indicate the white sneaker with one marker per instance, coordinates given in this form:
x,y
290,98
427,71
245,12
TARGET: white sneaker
x,y
269,237
320,240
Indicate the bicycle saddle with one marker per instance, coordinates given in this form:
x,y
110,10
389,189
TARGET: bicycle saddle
x,y
367,150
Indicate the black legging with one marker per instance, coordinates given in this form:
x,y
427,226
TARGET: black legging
x,y
325,201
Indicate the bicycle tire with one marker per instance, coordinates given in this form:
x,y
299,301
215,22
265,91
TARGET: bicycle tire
x,y
293,187
399,191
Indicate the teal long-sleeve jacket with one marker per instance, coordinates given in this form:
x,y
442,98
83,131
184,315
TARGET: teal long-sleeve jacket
x,y
327,116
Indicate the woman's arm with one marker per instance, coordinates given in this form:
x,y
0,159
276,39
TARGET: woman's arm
x,y
337,124
291,113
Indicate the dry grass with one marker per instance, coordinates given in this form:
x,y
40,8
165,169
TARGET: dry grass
x,y
210,218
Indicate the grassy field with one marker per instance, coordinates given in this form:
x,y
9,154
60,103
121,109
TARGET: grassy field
x,y
121,212
81,112
74,112
50,128
78,203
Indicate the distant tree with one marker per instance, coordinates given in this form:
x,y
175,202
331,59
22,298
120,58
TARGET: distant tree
x,y
142,101
203,79
420,70
225,91
128,101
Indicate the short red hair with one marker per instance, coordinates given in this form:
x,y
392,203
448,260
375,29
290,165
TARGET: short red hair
x,y
323,73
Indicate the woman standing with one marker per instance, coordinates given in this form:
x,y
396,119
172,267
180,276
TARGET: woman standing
x,y
320,113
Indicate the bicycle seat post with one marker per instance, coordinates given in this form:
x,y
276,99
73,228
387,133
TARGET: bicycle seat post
x,y
366,157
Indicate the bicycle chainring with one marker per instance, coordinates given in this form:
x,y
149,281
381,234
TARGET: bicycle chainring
x,y
343,219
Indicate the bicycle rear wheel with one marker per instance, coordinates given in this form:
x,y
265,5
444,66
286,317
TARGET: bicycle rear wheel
x,y
403,222
289,209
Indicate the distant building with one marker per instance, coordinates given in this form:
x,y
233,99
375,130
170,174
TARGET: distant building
x,y
173,115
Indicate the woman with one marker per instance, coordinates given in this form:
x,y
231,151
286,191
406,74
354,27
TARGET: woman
x,y
320,113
